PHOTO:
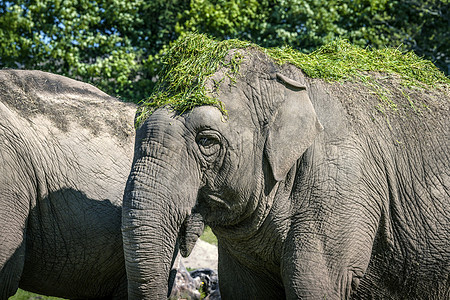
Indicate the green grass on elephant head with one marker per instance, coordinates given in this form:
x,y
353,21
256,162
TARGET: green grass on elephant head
x,y
24,295
193,58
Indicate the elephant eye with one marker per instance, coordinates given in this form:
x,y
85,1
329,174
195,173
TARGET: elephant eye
x,y
205,142
208,142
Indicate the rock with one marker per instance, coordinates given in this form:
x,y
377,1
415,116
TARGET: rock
x,y
209,283
203,280
204,255
184,286
195,284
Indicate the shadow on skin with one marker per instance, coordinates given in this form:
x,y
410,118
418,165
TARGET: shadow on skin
x,y
73,247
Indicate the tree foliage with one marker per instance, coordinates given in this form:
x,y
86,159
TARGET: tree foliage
x,y
116,44
80,38
424,26
109,43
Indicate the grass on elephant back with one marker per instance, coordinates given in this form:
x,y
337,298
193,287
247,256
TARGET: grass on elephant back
x,y
207,236
194,58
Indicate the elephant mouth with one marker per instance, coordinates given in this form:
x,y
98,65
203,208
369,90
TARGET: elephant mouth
x,y
218,200
211,199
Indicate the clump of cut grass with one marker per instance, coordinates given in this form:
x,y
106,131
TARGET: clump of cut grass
x,y
194,58
187,65
340,60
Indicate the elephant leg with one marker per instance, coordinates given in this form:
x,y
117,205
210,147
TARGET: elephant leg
x,y
12,262
12,248
14,209
238,281
327,264
122,290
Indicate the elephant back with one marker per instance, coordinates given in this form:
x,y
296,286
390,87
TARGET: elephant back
x,y
64,101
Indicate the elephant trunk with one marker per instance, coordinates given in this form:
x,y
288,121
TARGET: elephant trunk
x,y
155,206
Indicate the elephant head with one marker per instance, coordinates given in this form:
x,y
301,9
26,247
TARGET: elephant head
x,y
202,163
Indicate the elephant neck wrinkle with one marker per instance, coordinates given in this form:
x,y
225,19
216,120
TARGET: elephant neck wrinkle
x,y
265,218
260,245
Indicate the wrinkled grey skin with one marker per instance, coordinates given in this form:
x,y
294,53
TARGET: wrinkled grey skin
x,y
65,153
312,192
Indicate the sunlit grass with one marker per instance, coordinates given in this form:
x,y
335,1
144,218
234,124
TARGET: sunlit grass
x,y
208,236
24,295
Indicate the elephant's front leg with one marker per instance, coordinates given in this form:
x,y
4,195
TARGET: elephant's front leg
x,y
14,209
325,259
12,249
239,281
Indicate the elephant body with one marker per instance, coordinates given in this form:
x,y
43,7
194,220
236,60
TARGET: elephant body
x,y
65,153
315,190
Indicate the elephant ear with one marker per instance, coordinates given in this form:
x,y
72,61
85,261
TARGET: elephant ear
x,y
292,130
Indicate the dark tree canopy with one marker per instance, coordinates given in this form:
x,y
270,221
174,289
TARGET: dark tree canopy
x,y
116,44
109,43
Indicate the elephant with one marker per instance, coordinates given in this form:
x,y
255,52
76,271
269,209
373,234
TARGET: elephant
x,y
314,189
66,150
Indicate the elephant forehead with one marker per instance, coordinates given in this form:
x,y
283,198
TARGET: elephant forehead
x,y
211,117
161,126
204,115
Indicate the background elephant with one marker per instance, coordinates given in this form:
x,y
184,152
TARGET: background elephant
x,y
312,192
65,153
